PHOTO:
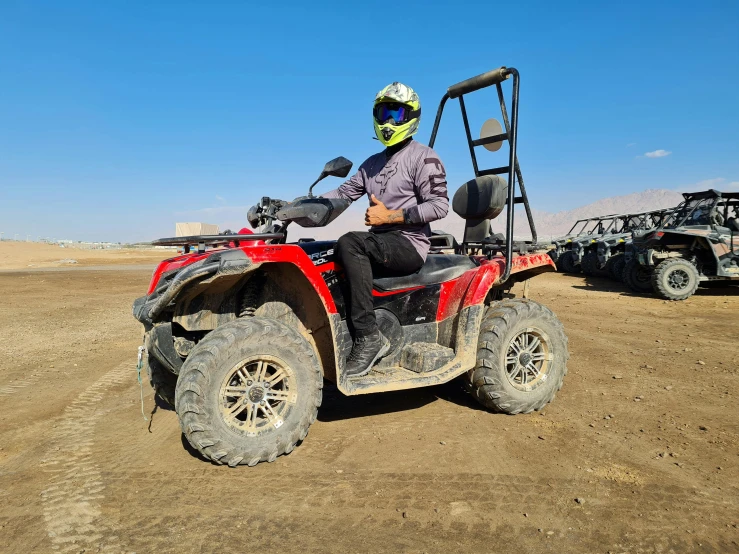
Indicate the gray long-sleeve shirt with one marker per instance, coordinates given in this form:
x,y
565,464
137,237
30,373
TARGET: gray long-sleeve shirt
x,y
412,179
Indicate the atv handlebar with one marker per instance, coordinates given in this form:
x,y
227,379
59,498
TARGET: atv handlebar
x,y
480,81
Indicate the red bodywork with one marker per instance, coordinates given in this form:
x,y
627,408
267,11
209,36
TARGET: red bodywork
x,y
467,290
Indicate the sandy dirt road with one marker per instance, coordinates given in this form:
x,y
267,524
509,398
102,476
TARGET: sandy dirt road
x,y
644,433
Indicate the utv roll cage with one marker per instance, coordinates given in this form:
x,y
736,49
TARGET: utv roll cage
x,y
712,200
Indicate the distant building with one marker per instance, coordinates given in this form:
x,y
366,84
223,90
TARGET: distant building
x,y
191,229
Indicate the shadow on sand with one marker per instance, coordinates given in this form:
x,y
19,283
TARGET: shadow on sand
x,y
337,407
606,284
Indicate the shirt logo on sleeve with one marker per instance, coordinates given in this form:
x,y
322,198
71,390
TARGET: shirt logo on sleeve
x,y
440,177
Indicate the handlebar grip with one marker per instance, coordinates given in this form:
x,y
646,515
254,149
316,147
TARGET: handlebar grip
x,y
480,81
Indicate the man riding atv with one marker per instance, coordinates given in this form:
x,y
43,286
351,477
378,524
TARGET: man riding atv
x,y
240,334
406,187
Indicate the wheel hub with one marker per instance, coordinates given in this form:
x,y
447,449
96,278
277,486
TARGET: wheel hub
x,y
527,359
257,395
678,279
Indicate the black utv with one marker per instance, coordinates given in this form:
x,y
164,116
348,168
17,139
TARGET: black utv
x,y
562,254
609,251
700,243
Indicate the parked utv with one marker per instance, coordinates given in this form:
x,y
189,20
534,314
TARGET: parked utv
x,y
559,244
567,261
240,336
700,243
580,246
607,254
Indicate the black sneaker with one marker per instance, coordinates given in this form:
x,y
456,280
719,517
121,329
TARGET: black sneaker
x,y
365,352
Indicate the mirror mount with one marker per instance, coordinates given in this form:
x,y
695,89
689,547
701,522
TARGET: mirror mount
x,y
338,167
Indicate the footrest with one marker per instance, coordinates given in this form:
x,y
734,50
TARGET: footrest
x,y
423,357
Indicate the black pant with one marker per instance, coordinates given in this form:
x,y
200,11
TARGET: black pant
x,y
366,254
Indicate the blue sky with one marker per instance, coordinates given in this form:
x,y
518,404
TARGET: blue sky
x,y
119,118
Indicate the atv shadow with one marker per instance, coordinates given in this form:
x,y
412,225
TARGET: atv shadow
x,y
336,406
606,284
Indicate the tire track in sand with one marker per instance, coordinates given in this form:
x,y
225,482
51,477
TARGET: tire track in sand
x,y
15,386
72,501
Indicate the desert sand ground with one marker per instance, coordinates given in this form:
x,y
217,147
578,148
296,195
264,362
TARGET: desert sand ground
x,y
638,452
17,255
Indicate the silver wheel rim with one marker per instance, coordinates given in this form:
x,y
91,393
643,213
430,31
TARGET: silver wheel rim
x,y
257,395
528,359
678,279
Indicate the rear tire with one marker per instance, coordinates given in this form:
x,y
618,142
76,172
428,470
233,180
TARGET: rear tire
x,y
567,262
248,392
637,277
675,279
521,357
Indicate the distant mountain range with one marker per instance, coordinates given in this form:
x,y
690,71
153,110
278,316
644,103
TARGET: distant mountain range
x,y
547,224
550,224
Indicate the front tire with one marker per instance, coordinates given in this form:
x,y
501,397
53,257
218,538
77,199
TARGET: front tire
x,y
567,262
248,392
675,279
615,266
161,380
590,265
637,277
521,357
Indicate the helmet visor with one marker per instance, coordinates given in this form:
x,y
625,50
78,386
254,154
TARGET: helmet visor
x,y
386,111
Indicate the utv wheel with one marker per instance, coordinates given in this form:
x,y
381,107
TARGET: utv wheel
x,y
587,265
615,266
675,279
248,392
521,357
590,265
637,277
567,262
161,380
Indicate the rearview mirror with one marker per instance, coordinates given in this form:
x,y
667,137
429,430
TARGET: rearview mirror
x,y
338,167
734,224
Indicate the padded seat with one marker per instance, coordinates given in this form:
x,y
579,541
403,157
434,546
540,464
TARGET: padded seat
x,y
437,269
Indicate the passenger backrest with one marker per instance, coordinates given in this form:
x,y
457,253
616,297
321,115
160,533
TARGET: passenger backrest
x,y
478,201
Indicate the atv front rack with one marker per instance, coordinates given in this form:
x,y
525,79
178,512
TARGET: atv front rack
x,y
214,240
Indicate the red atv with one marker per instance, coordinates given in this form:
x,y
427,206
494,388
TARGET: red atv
x,y
240,334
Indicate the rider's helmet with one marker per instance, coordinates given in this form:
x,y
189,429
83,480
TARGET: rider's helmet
x,y
397,111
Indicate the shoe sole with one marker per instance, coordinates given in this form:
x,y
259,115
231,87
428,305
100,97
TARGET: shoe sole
x,y
384,350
